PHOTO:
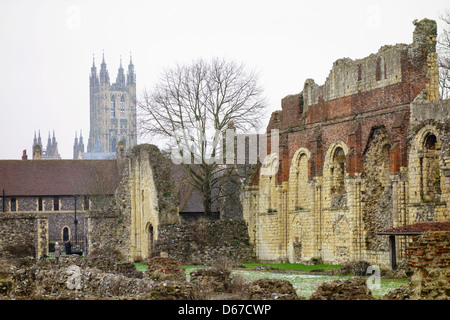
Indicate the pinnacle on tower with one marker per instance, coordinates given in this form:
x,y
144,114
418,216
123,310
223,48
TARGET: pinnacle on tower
x,y
120,80
104,75
131,76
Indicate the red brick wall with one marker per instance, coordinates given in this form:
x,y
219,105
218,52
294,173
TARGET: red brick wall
x,y
431,250
350,119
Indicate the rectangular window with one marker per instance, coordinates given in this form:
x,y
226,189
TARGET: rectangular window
x,y
86,203
56,204
39,204
13,204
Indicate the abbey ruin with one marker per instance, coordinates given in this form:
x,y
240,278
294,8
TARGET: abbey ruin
x,y
364,154
366,151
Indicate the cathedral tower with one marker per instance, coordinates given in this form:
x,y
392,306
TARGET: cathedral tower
x,y
112,109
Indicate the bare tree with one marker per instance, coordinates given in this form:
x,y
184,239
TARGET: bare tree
x,y
191,106
444,57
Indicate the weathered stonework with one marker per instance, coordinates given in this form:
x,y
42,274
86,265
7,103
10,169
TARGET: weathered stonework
x,y
363,152
429,255
23,235
207,242
145,200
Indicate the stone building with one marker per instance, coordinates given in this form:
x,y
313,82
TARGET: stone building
x,y
112,111
365,151
113,205
56,194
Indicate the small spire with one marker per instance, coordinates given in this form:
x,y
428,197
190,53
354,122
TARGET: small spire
x,y
131,59
120,61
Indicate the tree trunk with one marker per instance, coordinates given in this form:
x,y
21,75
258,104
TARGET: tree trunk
x,y
207,202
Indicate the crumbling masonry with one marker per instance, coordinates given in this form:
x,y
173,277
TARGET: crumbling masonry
x,y
366,151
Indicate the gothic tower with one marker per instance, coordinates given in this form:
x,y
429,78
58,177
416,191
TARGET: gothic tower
x,y
78,146
112,109
52,147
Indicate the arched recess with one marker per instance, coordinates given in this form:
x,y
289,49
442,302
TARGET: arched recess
x,y
428,156
267,183
378,209
298,179
65,233
335,173
151,239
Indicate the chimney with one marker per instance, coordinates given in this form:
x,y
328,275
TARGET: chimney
x,y
24,155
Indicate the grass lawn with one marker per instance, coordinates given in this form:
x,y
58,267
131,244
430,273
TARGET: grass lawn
x,y
304,284
294,266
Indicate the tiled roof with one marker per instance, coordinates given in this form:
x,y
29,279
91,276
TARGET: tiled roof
x,y
417,228
57,177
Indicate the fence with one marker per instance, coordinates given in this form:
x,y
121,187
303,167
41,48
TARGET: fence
x,y
78,247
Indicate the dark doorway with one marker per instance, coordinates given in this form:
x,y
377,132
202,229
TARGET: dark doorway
x,y
150,241
65,234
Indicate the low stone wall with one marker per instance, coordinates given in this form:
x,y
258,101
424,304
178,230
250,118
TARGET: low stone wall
x,y
429,255
108,235
204,242
23,235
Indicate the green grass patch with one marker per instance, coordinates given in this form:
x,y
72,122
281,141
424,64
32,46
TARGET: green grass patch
x,y
294,266
140,266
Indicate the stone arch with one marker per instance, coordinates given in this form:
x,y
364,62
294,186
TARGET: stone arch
x,y
377,156
269,168
65,233
425,165
378,210
430,175
298,179
335,173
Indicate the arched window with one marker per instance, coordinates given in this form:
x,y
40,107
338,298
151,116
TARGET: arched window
x,y
337,175
113,107
302,182
338,171
122,106
430,172
65,234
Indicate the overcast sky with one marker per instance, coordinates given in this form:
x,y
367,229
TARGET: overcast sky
x,y
47,48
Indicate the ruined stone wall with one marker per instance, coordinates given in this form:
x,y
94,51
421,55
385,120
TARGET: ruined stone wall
x,y
429,256
23,234
204,242
357,175
145,200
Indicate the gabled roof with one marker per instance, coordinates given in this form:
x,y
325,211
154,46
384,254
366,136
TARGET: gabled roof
x,y
417,228
58,177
